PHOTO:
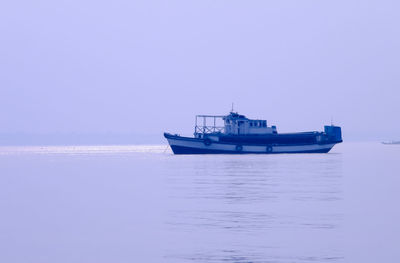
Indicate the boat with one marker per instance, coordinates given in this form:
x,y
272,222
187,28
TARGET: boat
x,y
391,142
236,134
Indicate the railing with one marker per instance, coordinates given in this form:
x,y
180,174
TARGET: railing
x,y
209,129
206,127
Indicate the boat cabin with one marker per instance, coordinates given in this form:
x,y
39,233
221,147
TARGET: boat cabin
x,y
233,124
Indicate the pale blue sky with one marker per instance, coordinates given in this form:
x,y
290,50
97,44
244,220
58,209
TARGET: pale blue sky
x,y
137,67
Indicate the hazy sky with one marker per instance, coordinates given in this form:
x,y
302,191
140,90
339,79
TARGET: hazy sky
x,y
126,66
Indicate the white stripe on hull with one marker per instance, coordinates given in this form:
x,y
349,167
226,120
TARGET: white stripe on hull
x,y
249,148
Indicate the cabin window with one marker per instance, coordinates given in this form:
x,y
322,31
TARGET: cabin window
x,y
251,124
264,124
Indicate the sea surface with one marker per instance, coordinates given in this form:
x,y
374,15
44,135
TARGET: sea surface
x,y
115,204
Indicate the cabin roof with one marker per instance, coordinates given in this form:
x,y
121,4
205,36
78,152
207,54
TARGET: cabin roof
x,y
231,115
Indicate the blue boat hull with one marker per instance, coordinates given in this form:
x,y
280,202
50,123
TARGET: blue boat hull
x,y
213,145
190,150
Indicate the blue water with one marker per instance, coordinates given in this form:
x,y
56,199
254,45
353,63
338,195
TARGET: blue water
x,y
143,204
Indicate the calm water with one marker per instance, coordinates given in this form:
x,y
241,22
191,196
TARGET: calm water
x,y
143,204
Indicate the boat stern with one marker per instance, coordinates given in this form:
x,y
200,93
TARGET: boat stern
x,y
334,133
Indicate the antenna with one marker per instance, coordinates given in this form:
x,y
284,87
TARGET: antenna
x,y
232,107
331,121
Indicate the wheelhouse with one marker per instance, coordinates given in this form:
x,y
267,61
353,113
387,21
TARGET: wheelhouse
x,y
232,124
